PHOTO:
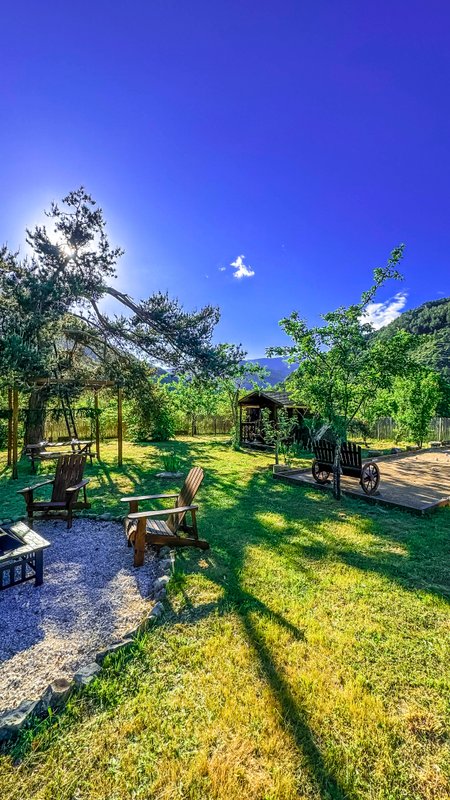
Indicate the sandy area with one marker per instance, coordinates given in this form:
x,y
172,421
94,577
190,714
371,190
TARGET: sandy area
x,y
414,480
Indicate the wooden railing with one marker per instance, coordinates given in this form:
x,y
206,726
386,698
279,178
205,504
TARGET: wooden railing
x,y
250,430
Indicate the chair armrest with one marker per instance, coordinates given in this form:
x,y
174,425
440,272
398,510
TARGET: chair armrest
x,y
146,497
36,486
163,512
78,485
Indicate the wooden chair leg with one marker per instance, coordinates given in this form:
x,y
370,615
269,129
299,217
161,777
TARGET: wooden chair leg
x,y
139,543
194,524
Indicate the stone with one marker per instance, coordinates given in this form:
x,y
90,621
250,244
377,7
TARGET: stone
x,y
170,475
11,722
157,610
160,583
161,594
114,648
86,674
166,565
164,552
55,695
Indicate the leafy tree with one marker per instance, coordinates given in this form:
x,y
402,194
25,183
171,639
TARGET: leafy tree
x,y
341,366
414,402
150,414
278,432
52,324
194,397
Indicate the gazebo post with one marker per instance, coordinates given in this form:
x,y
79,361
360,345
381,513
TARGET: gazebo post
x,y
15,425
119,427
97,425
9,426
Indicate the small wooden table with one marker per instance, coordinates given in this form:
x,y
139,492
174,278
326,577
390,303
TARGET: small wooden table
x,y
21,555
43,450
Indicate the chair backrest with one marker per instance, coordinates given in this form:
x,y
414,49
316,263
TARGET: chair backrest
x,y
69,472
188,491
351,455
324,452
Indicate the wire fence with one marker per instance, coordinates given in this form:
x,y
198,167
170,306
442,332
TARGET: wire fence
x,y
204,426
383,429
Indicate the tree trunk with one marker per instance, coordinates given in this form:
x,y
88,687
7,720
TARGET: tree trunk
x,y
35,420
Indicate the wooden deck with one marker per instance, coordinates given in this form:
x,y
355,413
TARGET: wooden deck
x,y
417,481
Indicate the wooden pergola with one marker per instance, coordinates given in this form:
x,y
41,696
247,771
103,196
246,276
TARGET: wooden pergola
x,y
13,416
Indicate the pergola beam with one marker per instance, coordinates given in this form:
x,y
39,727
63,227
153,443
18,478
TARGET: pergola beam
x,y
13,415
15,428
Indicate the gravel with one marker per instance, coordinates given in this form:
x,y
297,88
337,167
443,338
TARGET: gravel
x,y
91,596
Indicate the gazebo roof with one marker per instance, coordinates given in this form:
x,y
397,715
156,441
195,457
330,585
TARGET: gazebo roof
x,y
281,399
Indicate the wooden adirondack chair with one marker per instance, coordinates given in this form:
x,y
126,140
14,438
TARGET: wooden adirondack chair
x,y
67,483
147,526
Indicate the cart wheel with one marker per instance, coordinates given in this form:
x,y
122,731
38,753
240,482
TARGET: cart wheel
x,y
370,477
319,475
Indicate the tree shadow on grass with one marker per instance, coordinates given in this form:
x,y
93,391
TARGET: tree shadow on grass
x,y
310,530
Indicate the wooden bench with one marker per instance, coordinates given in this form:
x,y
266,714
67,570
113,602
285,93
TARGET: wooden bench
x,y
351,465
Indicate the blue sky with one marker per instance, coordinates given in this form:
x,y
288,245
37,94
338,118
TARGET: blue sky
x,y
299,141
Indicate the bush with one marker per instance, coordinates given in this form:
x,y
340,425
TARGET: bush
x,y
150,415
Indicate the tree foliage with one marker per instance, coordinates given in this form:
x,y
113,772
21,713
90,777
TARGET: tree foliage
x,y
50,304
340,365
430,326
412,401
52,323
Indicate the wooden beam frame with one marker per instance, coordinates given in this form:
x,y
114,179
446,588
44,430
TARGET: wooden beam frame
x,y
15,428
97,424
119,426
10,415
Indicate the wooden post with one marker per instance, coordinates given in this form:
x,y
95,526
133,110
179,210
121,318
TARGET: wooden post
x,y
119,427
10,403
15,426
97,425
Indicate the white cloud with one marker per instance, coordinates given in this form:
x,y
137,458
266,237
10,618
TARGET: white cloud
x,y
241,269
222,269
380,314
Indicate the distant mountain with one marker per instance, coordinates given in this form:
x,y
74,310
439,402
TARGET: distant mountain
x,y
277,368
430,322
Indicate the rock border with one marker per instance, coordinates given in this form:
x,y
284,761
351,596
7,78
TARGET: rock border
x,y
59,690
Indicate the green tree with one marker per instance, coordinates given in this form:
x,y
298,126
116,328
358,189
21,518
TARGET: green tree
x,y
341,366
278,432
194,397
51,322
415,399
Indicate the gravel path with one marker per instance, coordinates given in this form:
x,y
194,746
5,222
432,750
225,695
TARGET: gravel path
x,y
90,597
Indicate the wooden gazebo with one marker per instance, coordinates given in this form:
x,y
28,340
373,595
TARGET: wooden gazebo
x,y
251,406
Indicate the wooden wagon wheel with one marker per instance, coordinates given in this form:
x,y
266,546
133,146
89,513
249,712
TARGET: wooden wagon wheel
x,y
320,475
370,477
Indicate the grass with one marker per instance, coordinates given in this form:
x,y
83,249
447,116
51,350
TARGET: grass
x,y
306,655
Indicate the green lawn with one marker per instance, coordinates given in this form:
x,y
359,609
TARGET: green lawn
x,y
306,655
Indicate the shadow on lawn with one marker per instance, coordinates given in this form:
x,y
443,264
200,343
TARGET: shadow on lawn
x,y
232,519
398,552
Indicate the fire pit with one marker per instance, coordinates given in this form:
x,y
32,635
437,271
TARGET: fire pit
x,y
21,555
